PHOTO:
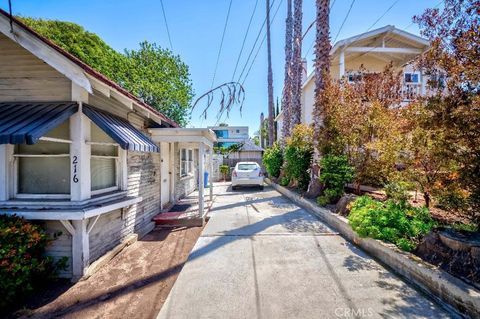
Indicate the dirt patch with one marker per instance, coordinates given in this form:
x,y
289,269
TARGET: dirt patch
x,y
134,284
460,263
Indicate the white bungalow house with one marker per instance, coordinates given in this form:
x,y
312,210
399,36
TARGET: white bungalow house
x,y
81,155
371,51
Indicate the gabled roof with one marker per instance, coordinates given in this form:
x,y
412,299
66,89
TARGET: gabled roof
x,y
390,29
72,67
249,146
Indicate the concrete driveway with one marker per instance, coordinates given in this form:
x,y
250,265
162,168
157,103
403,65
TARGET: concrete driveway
x,y
261,256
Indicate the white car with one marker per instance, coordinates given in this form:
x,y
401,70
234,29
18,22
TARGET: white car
x,y
247,174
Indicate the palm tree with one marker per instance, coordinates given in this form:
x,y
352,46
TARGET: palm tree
x,y
287,84
322,72
296,110
270,82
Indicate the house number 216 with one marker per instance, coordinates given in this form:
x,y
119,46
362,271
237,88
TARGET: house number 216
x,y
75,162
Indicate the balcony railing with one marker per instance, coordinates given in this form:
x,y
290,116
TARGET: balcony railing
x,y
411,91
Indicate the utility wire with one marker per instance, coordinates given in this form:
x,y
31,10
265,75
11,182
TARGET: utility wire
x,y
244,39
261,44
255,43
221,43
344,20
166,25
219,118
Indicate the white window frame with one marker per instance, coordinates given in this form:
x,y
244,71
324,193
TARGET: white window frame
x,y
118,168
16,194
412,73
190,161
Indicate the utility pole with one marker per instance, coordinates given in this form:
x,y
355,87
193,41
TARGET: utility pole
x,y
270,82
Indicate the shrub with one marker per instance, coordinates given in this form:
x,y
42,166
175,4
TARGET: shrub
x,y
224,169
335,172
284,181
298,155
23,265
397,191
398,223
322,200
273,160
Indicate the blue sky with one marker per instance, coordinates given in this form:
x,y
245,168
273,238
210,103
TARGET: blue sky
x,y
196,30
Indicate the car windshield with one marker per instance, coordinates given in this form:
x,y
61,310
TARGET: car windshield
x,y
246,167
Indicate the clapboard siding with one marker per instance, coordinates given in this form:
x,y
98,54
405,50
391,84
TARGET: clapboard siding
x,y
24,77
60,245
110,105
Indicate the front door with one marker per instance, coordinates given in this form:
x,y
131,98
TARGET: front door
x,y
164,174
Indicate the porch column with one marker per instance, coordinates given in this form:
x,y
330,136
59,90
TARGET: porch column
x,y
80,156
80,246
6,156
201,167
211,175
341,64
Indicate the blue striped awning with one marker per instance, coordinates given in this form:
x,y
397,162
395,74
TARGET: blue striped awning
x,y
26,122
120,130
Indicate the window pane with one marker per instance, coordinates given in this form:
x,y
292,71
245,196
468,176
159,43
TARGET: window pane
x,y
103,173
44,175
190,155
184,154
105,150
247,167
183,168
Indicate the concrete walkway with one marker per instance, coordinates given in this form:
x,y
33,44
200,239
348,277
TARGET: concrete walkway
x,y
261,256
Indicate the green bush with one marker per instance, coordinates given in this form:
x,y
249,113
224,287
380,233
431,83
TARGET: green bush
x,y
322,200
335,172
398,223
23,266
397,191
224,170
284,181
273,160
298,155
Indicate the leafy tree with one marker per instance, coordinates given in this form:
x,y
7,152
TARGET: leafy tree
x,y
335,172
453,108
151,73
359,122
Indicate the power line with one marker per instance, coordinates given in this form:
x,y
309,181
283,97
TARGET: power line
x,y
219,118
344,20
254,44
261,44
221,42
244,39
166,25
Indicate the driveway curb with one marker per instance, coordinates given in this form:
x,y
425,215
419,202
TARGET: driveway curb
x,y
449,291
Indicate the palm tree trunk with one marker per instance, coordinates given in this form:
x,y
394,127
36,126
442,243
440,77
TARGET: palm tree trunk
x,y
270,81
296,110
322,72
287,85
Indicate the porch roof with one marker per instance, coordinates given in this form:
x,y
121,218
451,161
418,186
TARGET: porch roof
x,y
184,135
27,122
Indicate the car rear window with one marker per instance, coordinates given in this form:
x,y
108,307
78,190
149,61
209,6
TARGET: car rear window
x,y
246,167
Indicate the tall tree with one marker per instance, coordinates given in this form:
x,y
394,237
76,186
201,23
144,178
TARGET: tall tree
x,y
287,83
270,81
296,110
322,72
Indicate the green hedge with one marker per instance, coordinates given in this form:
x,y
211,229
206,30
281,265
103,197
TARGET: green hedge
x,y
391,221
335,172
23,266
273,160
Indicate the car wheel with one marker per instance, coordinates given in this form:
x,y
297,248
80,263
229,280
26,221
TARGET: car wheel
x,y
261,187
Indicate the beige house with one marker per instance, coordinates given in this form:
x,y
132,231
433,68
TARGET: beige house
x,y
82,156
371,51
